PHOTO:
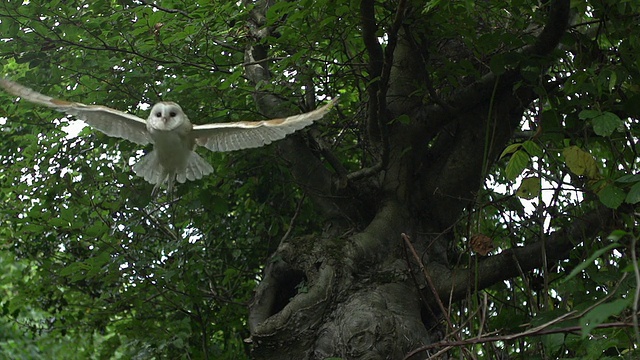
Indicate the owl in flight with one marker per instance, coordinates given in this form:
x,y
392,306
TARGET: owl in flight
x,y
173,136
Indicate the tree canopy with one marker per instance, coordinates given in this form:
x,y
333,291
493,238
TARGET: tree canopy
x,y
473,193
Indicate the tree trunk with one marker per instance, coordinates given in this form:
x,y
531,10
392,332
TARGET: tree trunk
x,y
341,297
357,291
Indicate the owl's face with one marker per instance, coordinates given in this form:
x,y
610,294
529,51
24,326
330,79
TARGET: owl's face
x,y
166,116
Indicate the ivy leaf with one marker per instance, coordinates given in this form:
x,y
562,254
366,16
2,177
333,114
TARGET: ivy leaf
x,y
530,188
611,196
517,164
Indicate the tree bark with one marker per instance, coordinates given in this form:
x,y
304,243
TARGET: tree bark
x,y
355,294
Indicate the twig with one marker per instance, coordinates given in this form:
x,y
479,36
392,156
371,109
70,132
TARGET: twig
x,y
432,287
535,331
293,220
258,62
326,152
171,11
415,281
636,271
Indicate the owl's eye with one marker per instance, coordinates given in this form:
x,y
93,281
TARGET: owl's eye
x,y
158,114
172,114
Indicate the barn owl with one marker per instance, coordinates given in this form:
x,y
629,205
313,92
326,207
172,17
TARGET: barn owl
x,y
173,136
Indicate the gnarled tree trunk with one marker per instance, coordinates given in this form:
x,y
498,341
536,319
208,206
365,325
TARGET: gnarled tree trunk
x,y
357,292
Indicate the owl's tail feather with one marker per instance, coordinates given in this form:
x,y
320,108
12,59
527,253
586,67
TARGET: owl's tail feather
x,y
195,169
150,169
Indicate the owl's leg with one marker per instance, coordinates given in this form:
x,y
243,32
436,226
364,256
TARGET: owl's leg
x,y
171,179
156,189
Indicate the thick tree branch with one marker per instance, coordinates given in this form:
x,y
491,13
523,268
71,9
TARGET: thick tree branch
x,y
369,37
554,29
487,114
467,98
308,170
376,61
452,170
457,283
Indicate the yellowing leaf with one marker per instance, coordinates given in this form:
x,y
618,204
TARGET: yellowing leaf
x,y
530,188
580,162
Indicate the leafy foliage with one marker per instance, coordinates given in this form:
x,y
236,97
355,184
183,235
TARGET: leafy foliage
x,y
91,266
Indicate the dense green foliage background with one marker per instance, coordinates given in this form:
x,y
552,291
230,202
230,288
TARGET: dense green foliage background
x,y
92,267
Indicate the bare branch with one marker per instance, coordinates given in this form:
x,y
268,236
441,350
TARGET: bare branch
x,y
535,331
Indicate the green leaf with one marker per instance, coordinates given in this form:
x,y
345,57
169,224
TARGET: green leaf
x,y
517,164
510,149
583,265
588,114
617,235
58,222
530,188
633,196
553,342
532,148
96,229
403,119
606,123
33,228
601,313
498,64
73,268
629,178
611,196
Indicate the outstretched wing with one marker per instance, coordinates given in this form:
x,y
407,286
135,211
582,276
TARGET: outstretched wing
x,y
110,121
251,134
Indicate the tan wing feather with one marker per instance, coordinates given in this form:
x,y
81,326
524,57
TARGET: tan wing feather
x,y
251,134
109,121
